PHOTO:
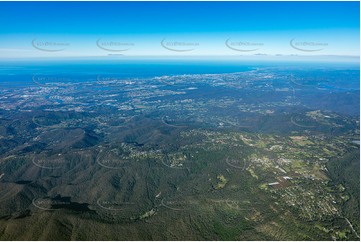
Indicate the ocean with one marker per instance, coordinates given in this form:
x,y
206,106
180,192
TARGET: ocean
x,y
22,73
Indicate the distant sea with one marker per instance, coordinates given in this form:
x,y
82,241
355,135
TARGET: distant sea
x,y
21,73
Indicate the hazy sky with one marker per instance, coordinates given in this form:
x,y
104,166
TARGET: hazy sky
x,y
52,29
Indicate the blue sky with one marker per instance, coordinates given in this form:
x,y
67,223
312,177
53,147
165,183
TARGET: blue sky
x,y
60,29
